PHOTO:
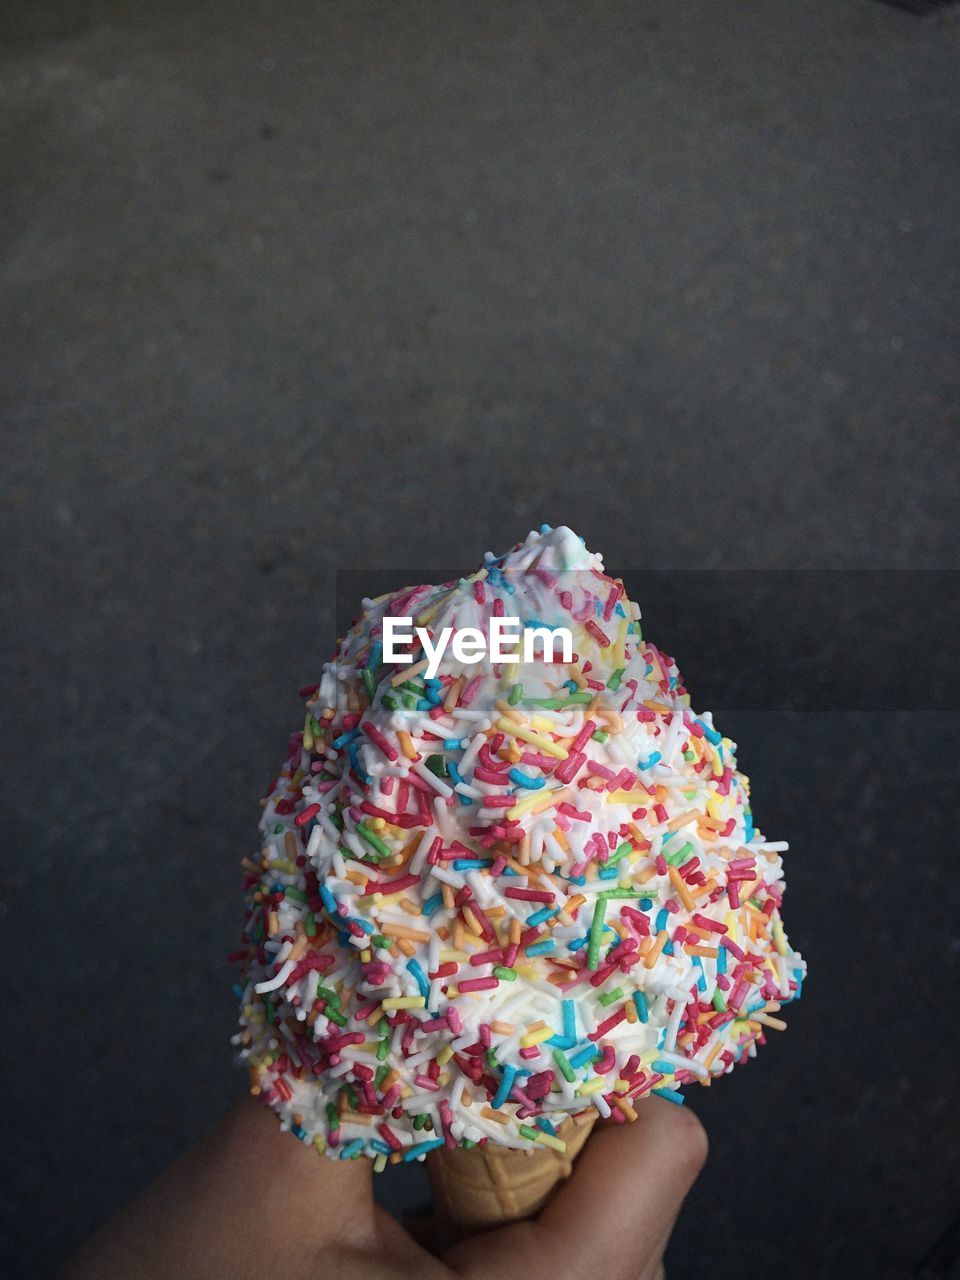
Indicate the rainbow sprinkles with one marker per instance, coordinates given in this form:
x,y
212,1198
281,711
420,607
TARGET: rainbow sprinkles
x,y
508,894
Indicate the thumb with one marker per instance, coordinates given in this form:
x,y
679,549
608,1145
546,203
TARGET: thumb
x,y
614,1215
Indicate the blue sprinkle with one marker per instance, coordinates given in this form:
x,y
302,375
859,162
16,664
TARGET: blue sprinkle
x,y
662,917
645,904
576,943
506,1084
653,759
376,657
544,913
711,735
329,901
524,780
721,959
421,1149
608,873
671,1095
545,1126
299,1132
561,1042
470,864
452,744
413,967
365,925
382,1147
540,948
584,1055
640,1004
432,904
664,1068
345,738
457,777
545,529
702,979
668,949
237,990
569,1019
351,1149
358,768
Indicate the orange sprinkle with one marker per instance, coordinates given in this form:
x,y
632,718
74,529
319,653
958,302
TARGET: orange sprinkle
x,y
453,694
680,885
402,931
653,955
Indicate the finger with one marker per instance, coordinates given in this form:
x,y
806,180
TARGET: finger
x,y
628,1186
613,1216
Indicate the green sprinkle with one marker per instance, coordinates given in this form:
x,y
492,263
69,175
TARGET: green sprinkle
x,y
609,997
369,683
419,1121
383,1048
335,1016
506,975
390,701
378,940
297,894
333,1116
614,681
372,840
380,1075
437,766
563,1062
331,997
310,927
600,735
621,851
607,894
596,931
718,1001
527,1132
679,855
516,693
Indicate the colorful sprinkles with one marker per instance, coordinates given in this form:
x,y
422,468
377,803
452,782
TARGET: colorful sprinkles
x,y
508,895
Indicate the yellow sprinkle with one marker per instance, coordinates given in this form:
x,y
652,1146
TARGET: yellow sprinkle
x,y
592,1085
550,1140
404,1002
536,1037
444,1056
535,739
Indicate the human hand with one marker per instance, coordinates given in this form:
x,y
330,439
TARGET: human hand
x,y
250,1201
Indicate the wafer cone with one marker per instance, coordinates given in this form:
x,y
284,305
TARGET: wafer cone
x,y
489,1186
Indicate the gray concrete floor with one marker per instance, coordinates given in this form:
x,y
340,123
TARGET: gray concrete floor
x,y
292,289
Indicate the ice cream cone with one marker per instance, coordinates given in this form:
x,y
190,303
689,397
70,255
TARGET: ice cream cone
x,y
492,1185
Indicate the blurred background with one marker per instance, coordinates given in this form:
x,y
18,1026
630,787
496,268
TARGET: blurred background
x,y
299,289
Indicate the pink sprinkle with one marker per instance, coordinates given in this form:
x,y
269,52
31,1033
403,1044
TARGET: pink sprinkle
x,y
379,741
305,815
478,984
